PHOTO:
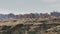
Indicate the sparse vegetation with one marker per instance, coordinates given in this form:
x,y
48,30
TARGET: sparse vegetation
x,y
30,26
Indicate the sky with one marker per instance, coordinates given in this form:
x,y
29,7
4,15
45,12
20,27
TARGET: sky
x,y
29,6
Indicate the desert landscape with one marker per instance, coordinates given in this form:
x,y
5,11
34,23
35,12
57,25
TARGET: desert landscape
x,y
29,16
30,26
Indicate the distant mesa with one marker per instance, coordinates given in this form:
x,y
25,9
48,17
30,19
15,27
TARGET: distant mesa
x,y
31,15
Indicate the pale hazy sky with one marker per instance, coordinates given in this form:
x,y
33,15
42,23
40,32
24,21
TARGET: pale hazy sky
x,y
28,6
